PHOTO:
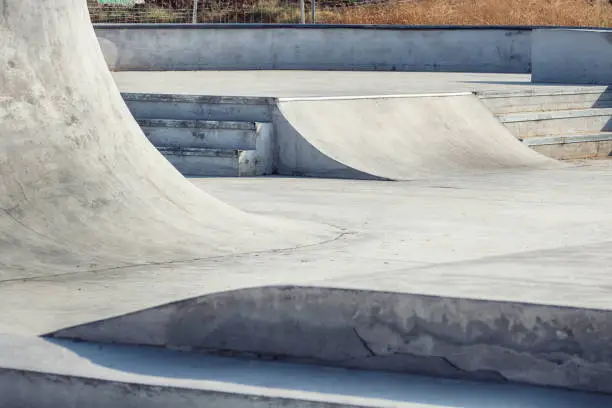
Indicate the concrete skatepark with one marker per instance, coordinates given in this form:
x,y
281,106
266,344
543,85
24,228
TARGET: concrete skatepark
x,y
406,239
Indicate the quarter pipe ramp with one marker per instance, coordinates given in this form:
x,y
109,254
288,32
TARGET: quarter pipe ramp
x,y
80,186
396,138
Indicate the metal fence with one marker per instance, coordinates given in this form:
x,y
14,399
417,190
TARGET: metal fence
x,y
204,11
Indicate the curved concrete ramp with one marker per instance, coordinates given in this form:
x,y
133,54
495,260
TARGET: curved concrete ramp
x,y
396,138
81,188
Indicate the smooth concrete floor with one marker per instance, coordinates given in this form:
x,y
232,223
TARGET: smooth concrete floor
x,y
526,236
323,83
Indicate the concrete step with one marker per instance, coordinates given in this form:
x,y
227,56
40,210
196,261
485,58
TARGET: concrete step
x,y
546,100
561,122
258,160
192,107
203,162
577,146
200,133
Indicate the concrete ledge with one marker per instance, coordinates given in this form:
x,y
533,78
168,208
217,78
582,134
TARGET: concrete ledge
x,y
403,332
552,140
195,107
211,47
200,134
197,124
255,26
233,100
575,56
551,115
576,151
572,147
534,100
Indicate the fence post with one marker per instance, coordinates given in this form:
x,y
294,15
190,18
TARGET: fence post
x,y
302,12
314,9
194,19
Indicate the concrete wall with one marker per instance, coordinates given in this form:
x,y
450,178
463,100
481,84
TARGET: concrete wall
x,y
572,56
242,47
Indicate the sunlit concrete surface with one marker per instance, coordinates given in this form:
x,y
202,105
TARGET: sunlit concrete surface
x,y
323,83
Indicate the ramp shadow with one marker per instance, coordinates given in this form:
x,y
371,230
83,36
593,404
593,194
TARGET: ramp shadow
x,y
219,372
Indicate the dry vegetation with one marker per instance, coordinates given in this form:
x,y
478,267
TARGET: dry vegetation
x,y
585,13
592,13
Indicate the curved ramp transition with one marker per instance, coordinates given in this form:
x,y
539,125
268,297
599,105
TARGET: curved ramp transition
x,y
396,138
81,188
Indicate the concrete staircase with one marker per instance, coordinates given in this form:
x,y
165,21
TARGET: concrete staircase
x,y
208,136
573,124
234,136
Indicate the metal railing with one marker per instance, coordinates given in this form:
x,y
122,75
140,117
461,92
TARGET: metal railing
x,y
203,11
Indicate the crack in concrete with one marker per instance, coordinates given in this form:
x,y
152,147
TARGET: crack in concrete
x,y
363,342
172,262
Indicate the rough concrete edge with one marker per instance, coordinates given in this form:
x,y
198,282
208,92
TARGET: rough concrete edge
x,y
475,300
513,359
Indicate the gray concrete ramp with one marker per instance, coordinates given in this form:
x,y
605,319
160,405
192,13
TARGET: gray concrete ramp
x,y
396,138
402,332
81,188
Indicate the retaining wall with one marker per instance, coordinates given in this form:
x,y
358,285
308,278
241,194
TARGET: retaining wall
x,y
580,56
316,47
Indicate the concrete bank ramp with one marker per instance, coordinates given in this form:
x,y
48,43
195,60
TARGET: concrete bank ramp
x,y
396,138
402,332
81,188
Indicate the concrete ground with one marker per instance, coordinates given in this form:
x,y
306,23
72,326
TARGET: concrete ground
x,y
531,236
323,83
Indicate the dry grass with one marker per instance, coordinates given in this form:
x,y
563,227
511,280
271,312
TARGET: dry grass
x,y
585,13
591,13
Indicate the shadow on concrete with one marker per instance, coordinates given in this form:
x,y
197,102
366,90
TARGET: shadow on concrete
x,y
216,372
605,101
